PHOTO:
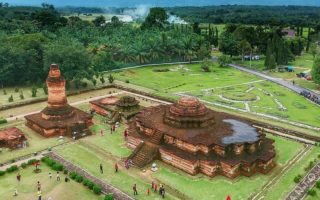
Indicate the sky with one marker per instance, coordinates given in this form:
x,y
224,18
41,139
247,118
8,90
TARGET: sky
x,y
164,3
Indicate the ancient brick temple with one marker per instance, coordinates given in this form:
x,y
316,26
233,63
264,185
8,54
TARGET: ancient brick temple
x,y
116,108
12,138
59,118
196,139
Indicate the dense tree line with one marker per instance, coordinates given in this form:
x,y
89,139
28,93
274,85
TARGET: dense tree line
x,y
33,40
257,15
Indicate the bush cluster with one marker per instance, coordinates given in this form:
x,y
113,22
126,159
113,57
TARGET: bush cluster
x,y
12,168
3,121
109,197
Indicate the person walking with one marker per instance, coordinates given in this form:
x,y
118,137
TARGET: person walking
x,y
101,168
152,185
148,191
116,167
125,134
39,195
101,132
18,177
58,176
155,188
163,192
15,193
111,130
135,191
50,175
38,186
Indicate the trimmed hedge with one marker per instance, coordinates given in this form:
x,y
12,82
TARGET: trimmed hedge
x,y
79,178
3,121
97,189
57,167
12,168
30,162
2,173
73,175
109,197
24,165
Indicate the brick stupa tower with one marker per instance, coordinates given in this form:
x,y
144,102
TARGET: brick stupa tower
x,y
59,118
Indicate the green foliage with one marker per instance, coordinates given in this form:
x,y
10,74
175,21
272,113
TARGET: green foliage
x,y
45,89
79,178
73,175
4,92
97,189
111,78
90,185
102,80
2,173
73,59
206,65
224,61
34,92
32,161
316,71
229,44
16,90
21,95
57,167
312,192
12,169
86,182
109,197
65,171
98,21
157,17
318,184
3,121
10,99
24,165
297,178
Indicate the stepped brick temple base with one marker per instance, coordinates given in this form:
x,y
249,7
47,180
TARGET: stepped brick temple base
x,y
195,139
116,108
59,118
12,138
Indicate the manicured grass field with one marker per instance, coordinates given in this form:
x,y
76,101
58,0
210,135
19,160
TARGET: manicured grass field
x,y
27,188
189,79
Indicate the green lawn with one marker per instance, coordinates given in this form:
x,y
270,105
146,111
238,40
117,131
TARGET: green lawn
x,y
27,188
191,80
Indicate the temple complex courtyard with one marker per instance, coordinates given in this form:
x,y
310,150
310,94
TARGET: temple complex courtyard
x,y
247,96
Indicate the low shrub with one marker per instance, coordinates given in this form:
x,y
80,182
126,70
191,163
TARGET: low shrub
x,y
73,175
79,179
85,182
109,197
57,167
318,184
12,168
2,173
297,178
90,185
24,165
65,171
3,121
97,189
312,192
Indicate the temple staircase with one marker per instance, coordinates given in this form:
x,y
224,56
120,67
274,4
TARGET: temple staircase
x,y
115,117
157,137
144,154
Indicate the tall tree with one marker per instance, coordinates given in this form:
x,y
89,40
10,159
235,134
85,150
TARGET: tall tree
x,y
157,17
316,70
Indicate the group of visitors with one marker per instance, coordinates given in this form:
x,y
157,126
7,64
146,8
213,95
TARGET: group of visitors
x,y
154,188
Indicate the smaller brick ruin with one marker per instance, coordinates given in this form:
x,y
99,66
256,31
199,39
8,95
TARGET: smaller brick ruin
x,y
59,118
12,138
195,139
116,108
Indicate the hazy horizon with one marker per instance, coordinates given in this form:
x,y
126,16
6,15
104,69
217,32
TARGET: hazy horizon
x,y
162,3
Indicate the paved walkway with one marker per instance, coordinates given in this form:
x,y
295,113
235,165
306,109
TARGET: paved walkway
x,y
279,81
106,188
19,162
308,182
